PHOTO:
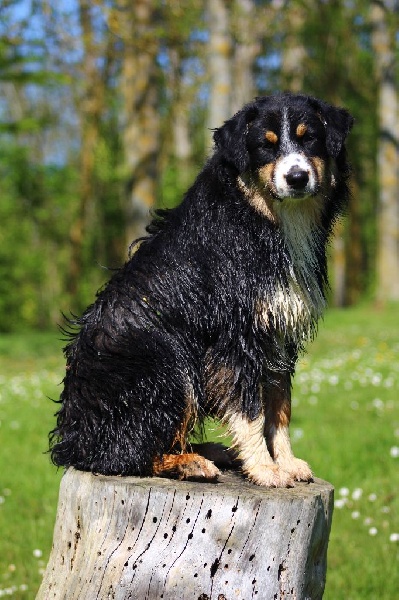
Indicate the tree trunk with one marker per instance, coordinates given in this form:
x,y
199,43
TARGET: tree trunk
x,y
128,538
219,63
338,256
182,99
388,157
141,139
90,108
246,48
294,53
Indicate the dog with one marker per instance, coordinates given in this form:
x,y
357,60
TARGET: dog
x,y
210,313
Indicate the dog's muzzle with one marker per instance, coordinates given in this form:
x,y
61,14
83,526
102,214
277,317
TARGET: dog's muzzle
x,y
294,177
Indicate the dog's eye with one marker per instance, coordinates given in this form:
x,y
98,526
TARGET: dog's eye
x,y
305,136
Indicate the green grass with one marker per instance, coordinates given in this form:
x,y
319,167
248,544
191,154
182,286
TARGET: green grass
x,y
345,423
30,370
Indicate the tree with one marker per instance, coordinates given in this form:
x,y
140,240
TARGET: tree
x,y
219,62
90,108
388,152
137,24
246,37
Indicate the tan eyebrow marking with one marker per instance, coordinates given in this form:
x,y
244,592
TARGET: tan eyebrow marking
x,y
271,137
301,129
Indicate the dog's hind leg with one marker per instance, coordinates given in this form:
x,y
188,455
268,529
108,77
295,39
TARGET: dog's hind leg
x,y
185,466
278,414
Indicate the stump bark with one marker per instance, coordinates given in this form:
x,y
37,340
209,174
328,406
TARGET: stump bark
x,y
150,538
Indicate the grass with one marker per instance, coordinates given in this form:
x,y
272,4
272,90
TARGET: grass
x,y
345,423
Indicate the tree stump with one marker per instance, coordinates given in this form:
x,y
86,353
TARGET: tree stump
x,y
149,538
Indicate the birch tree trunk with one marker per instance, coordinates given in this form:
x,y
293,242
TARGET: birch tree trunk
x,y
219,63
388,155
90,109
132,538
136,22
246,48
294,53
183,96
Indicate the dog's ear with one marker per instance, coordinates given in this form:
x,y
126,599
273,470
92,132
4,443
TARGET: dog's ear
x,y
230,139
337,122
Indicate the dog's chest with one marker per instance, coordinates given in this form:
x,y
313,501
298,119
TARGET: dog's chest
x,y
292,309
294,300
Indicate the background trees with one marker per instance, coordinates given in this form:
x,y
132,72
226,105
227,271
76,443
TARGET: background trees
x,y
106,109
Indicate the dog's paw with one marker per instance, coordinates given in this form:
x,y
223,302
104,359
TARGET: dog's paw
x,y
271,476
186,466
298,469
198,467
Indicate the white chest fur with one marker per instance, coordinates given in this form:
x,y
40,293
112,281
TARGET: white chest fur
x,y
293,306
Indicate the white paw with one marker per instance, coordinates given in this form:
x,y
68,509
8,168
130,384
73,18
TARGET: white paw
x,y
271,476
298,469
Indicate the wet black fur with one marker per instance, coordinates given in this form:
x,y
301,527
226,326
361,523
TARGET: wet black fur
x,y
184,305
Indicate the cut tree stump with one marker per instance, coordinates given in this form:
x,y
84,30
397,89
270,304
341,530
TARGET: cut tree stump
x,y
134,538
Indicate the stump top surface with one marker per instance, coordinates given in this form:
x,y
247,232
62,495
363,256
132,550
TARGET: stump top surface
x,y
229,483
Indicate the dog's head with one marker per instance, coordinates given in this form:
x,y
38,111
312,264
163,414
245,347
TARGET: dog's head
x,y
291,144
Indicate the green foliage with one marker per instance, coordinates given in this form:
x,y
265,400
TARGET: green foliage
x,y
35,206
41,124
31,369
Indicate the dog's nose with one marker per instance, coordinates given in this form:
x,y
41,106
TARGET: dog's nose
x,y
297,178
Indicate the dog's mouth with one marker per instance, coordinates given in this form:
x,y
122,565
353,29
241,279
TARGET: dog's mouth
x,y
293,195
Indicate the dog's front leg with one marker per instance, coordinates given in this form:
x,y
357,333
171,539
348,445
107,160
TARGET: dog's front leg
x,y
250,444
277,403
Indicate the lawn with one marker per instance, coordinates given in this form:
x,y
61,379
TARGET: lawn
x,y
345,423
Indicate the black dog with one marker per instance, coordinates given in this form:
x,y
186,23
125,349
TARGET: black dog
x,y
209,314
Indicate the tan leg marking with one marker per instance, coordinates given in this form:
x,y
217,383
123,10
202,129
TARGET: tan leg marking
x,y
185,466
257,464
278,416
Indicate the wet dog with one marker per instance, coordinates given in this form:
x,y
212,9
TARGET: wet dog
x,y
210,313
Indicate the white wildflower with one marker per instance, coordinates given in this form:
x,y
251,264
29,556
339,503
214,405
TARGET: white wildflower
x,y
357,494
378,403
340,503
